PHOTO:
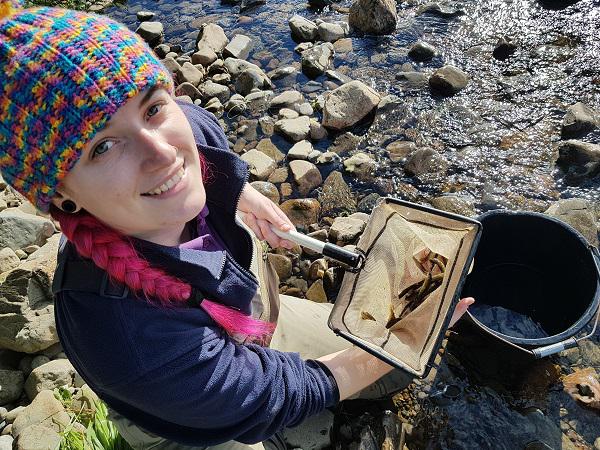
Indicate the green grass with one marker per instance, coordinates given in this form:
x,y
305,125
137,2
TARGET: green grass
x,y
81,5
100,433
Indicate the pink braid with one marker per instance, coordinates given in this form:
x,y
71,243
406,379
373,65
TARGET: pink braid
x,y
114,253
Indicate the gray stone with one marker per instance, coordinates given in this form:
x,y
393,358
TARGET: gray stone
x,y
328,157
579,160
205,56
171,64
152,32
306,175
239,47
304,109
161,50
268,148
343,45
345,230
287,113
258,102
300,150
215,106
19,229
260,164
331,32
267,189
303,46
236,104
282,265
8,259
439,10
251,79
222,78
295,129
38,361
344,143
348,105
399,150
53,374
188,89
336,198
412,80
373,16
287,99
317,59
144,16
316,293
456,204
210,89
317,130
422,51
367,203
25,364
303,29
578,213
360,164
302,211
235,66
448,80
211,36
338,77
282,72
44,410
37,437
424,161
6,442
579,119
189,73
11,385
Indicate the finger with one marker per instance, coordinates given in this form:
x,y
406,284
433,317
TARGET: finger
x,y
280,219
267,232
251,221
461,308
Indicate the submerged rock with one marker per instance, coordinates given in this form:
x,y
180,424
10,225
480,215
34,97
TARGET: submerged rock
x,y
448,80
583,385
504,48
349,104
422,51
425,160
302,29
440,10
317,59
373,16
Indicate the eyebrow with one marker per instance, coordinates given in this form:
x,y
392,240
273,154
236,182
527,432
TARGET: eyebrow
x,y
147,96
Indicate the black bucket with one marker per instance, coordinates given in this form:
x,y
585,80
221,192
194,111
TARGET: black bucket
x,y
538,266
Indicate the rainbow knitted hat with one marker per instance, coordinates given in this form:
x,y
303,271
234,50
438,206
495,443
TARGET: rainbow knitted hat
x,y
63,74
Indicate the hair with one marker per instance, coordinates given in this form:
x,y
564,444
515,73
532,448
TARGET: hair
x,y
115,253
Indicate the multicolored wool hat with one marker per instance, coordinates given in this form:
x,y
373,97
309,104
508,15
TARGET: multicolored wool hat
x,y
63,74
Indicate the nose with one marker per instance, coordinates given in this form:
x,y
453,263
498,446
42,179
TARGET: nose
x,y
155,151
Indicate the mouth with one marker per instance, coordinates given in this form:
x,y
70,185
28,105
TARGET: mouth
x,y
167,185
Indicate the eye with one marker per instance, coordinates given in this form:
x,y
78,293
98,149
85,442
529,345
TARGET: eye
x,y
154,109
102,147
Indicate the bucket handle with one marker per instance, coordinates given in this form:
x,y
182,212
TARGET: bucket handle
x,y
571,342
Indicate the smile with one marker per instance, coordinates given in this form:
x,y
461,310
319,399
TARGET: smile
x,y
167,185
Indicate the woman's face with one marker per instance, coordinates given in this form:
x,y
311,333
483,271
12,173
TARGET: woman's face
x,y
141,174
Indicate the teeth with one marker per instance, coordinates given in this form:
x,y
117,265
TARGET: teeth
x,y
169,183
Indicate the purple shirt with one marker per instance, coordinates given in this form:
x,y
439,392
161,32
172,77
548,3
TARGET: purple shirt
x,y
207,238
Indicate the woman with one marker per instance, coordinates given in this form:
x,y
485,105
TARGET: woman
x,y
164,303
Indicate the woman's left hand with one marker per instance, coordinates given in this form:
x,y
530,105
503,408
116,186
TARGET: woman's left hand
x,y
461,308
261,213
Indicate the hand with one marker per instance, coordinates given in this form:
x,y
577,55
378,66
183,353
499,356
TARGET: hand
x,y
461,308
261,213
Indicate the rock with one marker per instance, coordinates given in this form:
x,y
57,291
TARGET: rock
x,y
345,230
282,265
267,125
51,375
302,211
304,109
260,164
317,130
579,119
412,80
8,259
361,165
25,364
348,104
282,72
214,106
286,113
152,32
44,410
294,129
317,59
205,56
161,50
287,99
144,16
316,292
267,189
21,254
300,150
336,198
344,143
171,64
37,437
373,16
250,80
210,89
424,161
583,385
399,150
343,45
579,160
455,204
327,158
27,322
257,102
239,47
189,73
318,267
579,214
303,30
331,32
245,5
268,148
11,385
38,361
448,80
19,229
235,105
422,51
6,442
303,46
504,48
597,444
306,175
367,203
439,10
11,415
279,175
187,89
211,36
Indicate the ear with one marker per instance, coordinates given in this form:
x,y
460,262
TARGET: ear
x,y
59,198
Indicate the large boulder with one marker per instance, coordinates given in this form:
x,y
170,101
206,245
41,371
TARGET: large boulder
x,y
373,16
53,374
19,229
45,410
303,30
317,59
211,36
348,105
26,302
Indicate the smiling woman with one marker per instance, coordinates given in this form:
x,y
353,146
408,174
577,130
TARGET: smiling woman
x,y
163,300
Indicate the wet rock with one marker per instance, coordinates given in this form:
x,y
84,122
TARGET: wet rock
x,y
261,166
251,79
579,160
316,292
212,36
439,10
246,5
373,16
267,125
367,203
239,47
152,32
19,229
360,164
448,80
306,175
317,59
190,74
399,150
300,150
504,48
579,214
422,51
302,211
53,374
205,56
412,80
344,143
579,119
282,265
583,385
267,189
424,161
257,102
331,32
279,175
303,30
11,385
343,45
144,16
336,198
268,148
345,230
210,89
287,99
349,104
8,259
294,129
455,204
282,72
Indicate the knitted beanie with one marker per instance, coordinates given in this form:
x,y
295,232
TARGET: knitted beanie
x,y
63,74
